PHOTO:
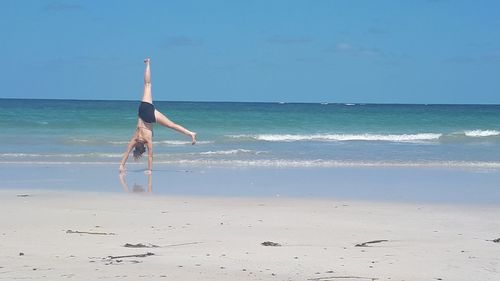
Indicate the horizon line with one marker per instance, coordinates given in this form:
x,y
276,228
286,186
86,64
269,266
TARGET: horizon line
x,y
274,102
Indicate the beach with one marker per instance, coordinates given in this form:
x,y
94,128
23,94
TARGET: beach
x,y
159,232
270,191
250,140
59,236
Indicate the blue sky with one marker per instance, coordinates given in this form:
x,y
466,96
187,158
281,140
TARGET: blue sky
x,y
428,51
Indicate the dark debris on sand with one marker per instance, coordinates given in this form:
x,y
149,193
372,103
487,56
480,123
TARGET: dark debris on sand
x,y
271,244
113,260
328,278
88,232
131,256
366,244
140,245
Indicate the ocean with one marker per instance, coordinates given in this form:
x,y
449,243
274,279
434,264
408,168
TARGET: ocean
x,y
232,134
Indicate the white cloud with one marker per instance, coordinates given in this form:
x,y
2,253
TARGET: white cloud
x,y
343,47
288,40
181,41
353,50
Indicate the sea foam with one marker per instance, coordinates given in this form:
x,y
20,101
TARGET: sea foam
x,y
228,152
343,137
482,133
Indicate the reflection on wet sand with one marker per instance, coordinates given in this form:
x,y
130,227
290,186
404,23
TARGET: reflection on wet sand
x,y
136,187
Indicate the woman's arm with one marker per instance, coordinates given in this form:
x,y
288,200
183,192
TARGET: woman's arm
x,y
150,157
124,182
127,153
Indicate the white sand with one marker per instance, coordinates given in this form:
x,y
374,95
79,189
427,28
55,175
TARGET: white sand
x,y
220,239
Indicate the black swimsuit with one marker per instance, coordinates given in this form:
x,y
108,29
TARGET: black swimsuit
x,y
147,112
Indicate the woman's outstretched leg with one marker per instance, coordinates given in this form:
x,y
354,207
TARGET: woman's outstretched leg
x,y
148,96
164,121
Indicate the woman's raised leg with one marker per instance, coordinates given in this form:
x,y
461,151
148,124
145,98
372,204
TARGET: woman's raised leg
x,y
164,121
148,96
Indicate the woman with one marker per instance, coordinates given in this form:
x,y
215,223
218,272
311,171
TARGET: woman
x,y
148,115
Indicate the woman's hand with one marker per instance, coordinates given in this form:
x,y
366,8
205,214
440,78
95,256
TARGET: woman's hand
x,y
122,168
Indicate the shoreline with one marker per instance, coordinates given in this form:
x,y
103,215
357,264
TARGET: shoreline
x,y
471,166
411,185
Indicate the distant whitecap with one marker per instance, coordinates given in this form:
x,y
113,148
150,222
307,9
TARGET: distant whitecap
x,y
482,133
343,137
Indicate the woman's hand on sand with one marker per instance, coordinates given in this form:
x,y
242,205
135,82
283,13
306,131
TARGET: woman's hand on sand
x,y
123,169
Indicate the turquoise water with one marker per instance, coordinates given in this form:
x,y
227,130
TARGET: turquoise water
x,y
256,134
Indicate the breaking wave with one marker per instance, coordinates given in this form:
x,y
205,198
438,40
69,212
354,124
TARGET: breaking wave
x,y
342,137
231,152
482,133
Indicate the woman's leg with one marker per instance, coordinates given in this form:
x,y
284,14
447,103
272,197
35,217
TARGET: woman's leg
x,y
164,121
147,97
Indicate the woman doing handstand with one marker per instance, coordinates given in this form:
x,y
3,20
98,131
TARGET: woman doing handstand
x,y
148,115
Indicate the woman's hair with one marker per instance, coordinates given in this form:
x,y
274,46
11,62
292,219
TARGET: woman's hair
x,y
139,149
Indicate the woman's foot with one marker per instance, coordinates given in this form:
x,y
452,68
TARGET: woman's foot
x,y
193,137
